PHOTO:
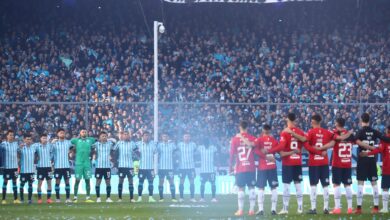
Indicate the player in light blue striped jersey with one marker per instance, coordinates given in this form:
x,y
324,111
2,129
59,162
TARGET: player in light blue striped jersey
x,y
165,150
187,150
61,151
27,153
207,170
44,166
147,149
125,153
102,151
10,148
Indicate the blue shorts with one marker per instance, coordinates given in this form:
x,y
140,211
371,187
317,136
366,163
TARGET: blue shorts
x,y
264,176
291,173
246,179
341,175
319,173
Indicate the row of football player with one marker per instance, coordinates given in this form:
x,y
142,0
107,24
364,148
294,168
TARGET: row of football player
x,y
316,141
53,157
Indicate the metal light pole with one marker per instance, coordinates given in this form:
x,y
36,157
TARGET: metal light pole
x,y
158,27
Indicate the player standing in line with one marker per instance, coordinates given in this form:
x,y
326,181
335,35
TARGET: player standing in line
x,y
366,166
83,169
10,148
125,151
384,149
242,155
291,143
207,170
187,150
165,150
102,151
147,149
61,151
266,170
26,160
318,137
44,167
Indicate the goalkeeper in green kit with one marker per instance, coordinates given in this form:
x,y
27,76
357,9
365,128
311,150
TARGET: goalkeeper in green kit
x,y
83,169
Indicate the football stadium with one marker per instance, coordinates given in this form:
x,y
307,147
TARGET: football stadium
x,y
195,109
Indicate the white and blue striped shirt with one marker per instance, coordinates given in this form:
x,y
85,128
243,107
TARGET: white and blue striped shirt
x,y
61,154
125,153
45,154
207,158
103,152
187,151
165,154
10,152
147,151
27,157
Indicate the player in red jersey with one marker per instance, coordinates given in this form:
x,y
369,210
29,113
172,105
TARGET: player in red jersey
x,y
266,171
242,153
291,142
341,164
318,137
384,149
342,167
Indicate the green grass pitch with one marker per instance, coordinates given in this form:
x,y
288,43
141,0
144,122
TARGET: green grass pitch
x,y
125,210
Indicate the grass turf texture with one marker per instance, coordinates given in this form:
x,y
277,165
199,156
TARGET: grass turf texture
x,y
224,209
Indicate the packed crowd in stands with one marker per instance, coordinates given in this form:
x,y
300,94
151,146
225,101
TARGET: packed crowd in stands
x,y
214,69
